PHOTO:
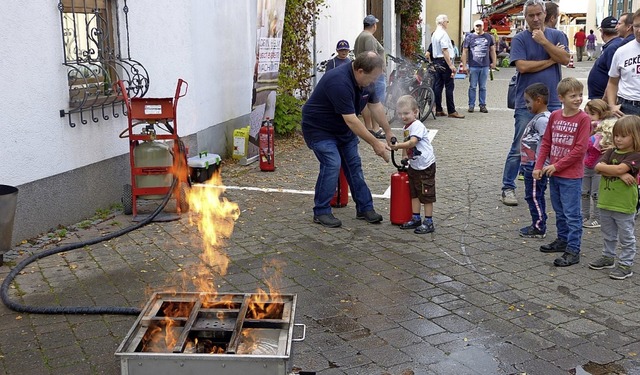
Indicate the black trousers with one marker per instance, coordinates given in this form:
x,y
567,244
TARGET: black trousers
x,y
443,79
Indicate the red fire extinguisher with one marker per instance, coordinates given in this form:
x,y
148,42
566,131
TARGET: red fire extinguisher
x,y
400,206
265,143
341,196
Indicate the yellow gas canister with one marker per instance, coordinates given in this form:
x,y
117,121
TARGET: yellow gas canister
x,y
240,142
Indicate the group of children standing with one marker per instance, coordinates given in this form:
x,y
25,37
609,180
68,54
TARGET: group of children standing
x,y
590,162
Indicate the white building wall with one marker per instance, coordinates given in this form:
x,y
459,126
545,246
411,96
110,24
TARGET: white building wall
x,y
64,174
209,44
343,20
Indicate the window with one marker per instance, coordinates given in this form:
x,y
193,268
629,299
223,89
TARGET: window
x,y
94,59
619,8
611,8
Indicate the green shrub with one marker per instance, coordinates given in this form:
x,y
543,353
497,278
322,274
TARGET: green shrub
x,y
294,78
288,114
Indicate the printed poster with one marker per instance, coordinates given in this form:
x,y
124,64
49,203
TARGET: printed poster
x,y
267,64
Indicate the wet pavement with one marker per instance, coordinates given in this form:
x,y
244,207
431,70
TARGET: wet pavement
x,y
471,298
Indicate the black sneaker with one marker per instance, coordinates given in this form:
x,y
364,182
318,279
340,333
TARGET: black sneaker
x,y
483,109
426,227
411,224
327,220
621,272
602,262
557,246
370,216
532,232
566,260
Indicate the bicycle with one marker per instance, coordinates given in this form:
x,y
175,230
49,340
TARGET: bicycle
x,y
413,79
424,92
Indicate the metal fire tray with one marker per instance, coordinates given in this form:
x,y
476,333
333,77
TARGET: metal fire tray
x,y
206,333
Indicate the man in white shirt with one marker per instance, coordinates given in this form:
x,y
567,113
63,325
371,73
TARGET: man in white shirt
x,y
445,69
623,91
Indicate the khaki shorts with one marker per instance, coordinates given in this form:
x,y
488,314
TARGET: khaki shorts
x,y
422,184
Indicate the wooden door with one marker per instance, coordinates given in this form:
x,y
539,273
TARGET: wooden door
x,y
375,7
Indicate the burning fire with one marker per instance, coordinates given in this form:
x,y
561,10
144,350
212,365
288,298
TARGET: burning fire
x,y
215,217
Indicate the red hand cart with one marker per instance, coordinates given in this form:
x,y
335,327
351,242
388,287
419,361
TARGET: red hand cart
x,y
155,158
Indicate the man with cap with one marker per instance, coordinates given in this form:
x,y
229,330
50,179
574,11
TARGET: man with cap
x,y
342,49
367,42
623,91
479,50
599,74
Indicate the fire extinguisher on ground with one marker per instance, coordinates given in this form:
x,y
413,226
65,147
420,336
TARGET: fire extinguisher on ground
x,y
266,145
341,196
400,210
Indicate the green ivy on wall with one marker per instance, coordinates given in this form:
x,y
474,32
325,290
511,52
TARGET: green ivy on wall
x,y
410,30
294,79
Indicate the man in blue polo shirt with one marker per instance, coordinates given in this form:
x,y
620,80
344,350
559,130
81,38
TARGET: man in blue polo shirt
x,y
599,73
537,54
332,130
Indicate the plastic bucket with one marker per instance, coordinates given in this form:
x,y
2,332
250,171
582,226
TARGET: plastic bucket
x,y
8,203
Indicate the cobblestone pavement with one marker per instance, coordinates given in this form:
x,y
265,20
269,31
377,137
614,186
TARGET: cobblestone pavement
x,y
472,298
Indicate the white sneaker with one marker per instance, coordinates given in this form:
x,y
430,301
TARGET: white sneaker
x,y
509,197
591,223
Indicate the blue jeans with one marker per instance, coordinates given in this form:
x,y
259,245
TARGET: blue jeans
x,y
566,196
512,165
381,87
534,195
630,109
478,77
333,153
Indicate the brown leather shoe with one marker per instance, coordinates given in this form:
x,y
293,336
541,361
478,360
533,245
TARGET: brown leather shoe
x,y
456,115
440,114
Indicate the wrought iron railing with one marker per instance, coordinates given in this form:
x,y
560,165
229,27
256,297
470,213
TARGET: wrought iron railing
x,y
96,57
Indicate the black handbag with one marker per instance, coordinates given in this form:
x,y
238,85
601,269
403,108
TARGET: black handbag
x,y
511,93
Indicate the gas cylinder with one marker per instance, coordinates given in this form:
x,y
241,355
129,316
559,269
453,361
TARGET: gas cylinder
x,y
341,196
265,143
400,210
152,154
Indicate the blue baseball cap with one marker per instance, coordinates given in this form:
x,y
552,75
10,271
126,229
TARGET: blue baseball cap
x,y
370,20
343,44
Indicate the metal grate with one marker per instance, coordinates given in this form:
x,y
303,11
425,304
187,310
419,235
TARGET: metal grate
x,y
96,56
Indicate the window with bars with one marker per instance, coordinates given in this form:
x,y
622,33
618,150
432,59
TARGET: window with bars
x,y
96,56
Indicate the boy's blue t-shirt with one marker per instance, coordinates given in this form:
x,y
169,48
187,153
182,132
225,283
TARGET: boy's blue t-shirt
x,y
532,137
523,47
336,94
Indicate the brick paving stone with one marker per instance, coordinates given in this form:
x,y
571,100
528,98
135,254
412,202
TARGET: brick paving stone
x,y
539,367
596,353
474,290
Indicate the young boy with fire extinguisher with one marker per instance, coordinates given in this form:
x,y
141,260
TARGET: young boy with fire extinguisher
x,y
422,165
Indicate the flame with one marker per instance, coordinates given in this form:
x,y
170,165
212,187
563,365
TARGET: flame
x,y
265,305
215,217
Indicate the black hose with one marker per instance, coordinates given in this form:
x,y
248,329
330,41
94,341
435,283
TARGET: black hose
x,y
15,306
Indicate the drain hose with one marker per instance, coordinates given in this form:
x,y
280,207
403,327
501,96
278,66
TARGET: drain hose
x,y
15,306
